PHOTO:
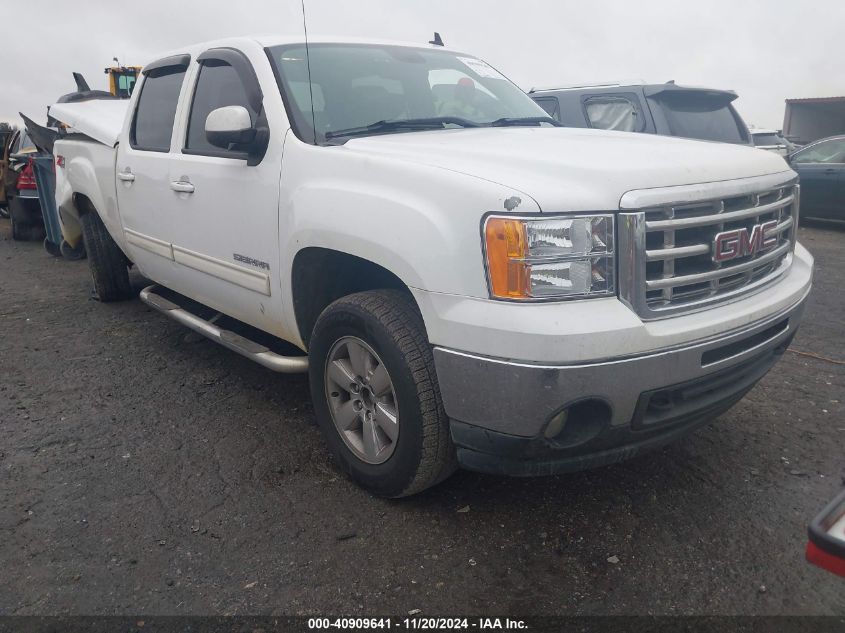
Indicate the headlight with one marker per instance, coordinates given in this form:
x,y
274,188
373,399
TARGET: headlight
x,y
550,258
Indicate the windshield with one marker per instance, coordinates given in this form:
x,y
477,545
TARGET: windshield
x,y
356,86
24,143
125,83
705,118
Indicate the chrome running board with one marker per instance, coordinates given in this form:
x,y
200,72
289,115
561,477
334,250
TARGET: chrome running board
x,y
235,342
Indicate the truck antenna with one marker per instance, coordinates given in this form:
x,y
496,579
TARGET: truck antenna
x,y
308,64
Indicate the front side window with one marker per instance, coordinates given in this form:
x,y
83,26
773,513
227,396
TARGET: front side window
x,y
218,86
356,85
152,125
612,113
826,152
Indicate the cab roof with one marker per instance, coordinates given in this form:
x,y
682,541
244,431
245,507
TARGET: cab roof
x,y
269,40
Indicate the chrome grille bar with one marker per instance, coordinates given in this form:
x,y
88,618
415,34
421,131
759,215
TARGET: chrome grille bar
x,y
667,241
686,280
700,249
704,220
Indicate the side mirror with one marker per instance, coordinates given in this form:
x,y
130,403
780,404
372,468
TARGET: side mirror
x,y
230,125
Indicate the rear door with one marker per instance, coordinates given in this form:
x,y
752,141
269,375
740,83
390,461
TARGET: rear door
x,y
225,205
143,170
821,168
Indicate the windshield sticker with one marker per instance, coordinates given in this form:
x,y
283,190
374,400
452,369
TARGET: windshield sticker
x,y
481,68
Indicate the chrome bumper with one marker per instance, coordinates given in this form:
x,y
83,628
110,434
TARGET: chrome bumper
x,y
519,399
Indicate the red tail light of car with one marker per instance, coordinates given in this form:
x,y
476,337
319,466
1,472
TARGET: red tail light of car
x,y
26,179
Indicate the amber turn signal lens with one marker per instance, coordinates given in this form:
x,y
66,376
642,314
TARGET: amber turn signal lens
x,y
506,245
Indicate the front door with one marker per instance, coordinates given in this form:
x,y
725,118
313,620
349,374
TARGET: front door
x,y
225,211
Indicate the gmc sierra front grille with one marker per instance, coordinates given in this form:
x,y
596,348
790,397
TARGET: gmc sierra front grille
x,y
679,257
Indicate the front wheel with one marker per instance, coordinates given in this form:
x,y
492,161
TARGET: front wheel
x,y
376,395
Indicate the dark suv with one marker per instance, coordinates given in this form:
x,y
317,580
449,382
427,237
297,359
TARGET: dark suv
x,y
666,109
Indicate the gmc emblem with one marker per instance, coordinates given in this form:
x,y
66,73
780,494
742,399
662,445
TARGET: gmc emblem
x,y
729,245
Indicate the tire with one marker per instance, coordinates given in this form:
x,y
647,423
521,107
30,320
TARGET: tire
x,y
18,232
108,264
20,218
392,332
71,253
51,248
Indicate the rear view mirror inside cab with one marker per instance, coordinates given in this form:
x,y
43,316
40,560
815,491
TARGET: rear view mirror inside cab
x,y
826,546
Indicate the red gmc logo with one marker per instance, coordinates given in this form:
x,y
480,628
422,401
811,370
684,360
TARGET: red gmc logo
x,y
739,242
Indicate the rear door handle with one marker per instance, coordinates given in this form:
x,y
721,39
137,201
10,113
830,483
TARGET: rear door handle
x,y
126,176
182,186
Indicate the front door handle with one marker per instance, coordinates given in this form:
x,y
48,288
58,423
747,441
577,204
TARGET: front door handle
x,y
126,176
182,186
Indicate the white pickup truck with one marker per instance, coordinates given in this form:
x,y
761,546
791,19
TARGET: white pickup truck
x,y
466,282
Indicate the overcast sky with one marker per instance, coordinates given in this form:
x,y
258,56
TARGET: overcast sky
x,y
766,50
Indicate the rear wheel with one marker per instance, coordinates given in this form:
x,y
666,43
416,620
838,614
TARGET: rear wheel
x,y
108,265
376,395
24,225
52,248
72,252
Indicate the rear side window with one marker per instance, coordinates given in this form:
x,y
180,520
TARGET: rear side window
x,y
218,85
767,139
707,119
156,111
612,113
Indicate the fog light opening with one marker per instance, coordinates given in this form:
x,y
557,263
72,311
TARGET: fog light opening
x,y
578,423
556,424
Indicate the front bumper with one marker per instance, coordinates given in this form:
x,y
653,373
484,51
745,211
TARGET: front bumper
x,y
500,409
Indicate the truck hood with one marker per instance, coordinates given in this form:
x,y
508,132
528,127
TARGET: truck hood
x,y
101,119
568,169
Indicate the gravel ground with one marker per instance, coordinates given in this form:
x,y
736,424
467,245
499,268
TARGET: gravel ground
x,y
146,470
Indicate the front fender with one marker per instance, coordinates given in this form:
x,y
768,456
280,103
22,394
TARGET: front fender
x,y
420,222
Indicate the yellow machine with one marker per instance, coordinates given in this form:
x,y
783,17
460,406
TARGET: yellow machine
x,y
122,79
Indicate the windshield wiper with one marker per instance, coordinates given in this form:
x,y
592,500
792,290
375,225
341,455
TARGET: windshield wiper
x,y
432,123
524,120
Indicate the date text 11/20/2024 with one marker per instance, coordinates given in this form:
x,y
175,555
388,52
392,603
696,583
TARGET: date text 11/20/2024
x,y
417,623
